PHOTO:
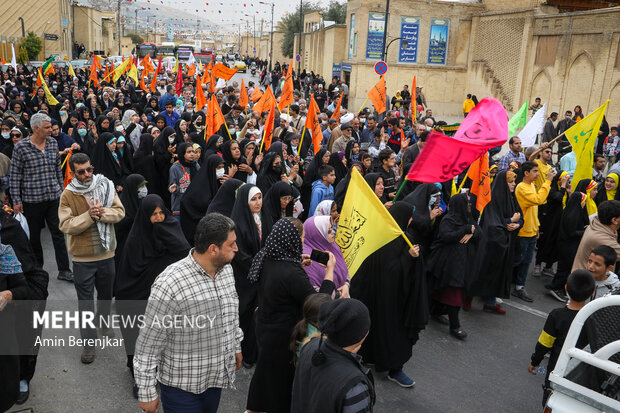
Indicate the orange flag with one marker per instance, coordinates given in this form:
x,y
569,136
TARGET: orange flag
x,y
36,85
201,100
377,95
153,85
93,76
414,105
286,97
256,94
403,146
2,61
215,119
269,126
142,84
107,72
266,101
243,96
68,176
50,69
223,72
336,114
191,71
314,125
112,67
481,181
206,77
148,64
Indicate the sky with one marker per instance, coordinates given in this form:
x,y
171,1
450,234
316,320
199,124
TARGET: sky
x,y
228,14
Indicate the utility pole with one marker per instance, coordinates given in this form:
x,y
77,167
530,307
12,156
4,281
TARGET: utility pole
x,y
135,24
148,21
118,27
301,27
385,30
247,38
271,46
254,35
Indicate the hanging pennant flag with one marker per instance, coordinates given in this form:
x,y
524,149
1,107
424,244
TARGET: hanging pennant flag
x,y
191,71
13,59
142,83
92,79
377,95
147,63
286,97
481,181
243,96
518,120
582,136
223,72
97,61
214,119
201,100
365,224
533,128
179,82
336,114
153,85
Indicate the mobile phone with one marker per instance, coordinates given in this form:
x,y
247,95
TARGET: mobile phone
x,y
319,256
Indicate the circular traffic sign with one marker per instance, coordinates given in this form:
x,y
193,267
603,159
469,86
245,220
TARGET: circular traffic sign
x,y
298,58
381,67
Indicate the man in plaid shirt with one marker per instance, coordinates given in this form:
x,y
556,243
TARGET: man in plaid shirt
x,y
192,363
36,182
514,154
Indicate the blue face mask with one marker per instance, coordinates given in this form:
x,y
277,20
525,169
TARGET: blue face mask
x,y
62,112
434,199
82,132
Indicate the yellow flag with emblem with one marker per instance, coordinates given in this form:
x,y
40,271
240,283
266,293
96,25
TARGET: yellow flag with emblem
x,y
122,68
582,136
48,95
365,224
71,71
133,74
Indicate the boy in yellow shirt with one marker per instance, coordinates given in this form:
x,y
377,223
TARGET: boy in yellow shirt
x,y
529,198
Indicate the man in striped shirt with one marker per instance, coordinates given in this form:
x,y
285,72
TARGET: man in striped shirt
x,y
190,341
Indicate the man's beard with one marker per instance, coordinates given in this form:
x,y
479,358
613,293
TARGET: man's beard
x,y
220,262
84,182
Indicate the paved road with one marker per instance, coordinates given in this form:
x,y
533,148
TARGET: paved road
x,y
488,372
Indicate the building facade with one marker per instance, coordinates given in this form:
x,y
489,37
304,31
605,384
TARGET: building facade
x,y
513,51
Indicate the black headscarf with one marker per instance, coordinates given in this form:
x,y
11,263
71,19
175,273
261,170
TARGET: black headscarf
x,y
146,146
402,212
458,211
129,196
146,245
371,179
271,201
181,149
422,225
103,160
574,217
339,168
225,197
282,244
67,124
180,135
228,158
87,143
246,229
212,146
100,128
198,196
268,174
343,186
312,172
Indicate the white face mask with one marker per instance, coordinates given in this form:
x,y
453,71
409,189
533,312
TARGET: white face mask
x,y
219,173
428,128
142,192
120,128
171,139
6,135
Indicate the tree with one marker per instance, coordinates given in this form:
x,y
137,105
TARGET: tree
x,y
336,12
22,55
291,23
32,44
135,38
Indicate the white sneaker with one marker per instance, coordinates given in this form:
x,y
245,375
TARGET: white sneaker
x,y
536,272
499,300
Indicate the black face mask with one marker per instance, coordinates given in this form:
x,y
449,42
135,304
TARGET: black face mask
x,y
277,168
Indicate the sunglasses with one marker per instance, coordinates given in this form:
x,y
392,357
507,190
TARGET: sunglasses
x,y
15,135
90,169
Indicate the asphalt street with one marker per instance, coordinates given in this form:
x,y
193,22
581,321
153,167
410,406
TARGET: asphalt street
x,y
485,373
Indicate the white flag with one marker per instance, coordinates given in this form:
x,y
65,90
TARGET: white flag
x,y
13,60
535,126
191,59
220,83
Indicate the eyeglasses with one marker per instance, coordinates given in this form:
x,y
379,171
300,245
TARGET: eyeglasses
x,y
16,135
547,151
90,170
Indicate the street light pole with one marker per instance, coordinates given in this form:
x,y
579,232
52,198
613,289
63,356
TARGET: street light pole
x,y
301,26
23,30
385,29
118,27
271,46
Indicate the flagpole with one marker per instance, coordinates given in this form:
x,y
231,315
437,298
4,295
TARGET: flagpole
x,y
363,105
229,135
263,140
551,142
302,139
400,189
406,239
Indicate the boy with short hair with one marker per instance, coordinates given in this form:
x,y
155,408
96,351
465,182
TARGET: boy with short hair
x,y
601,264
579,286
322,189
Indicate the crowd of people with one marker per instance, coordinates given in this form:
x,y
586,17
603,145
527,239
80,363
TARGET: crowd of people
x,y
166,220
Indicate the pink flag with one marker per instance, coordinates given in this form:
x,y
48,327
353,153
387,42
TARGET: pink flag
x,y
443,157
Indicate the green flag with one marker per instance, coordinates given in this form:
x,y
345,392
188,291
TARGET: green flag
x,y
47,63
518,120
